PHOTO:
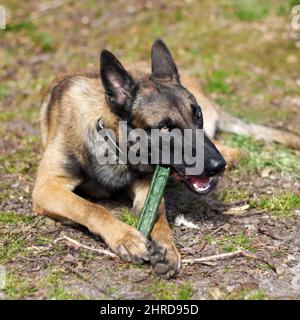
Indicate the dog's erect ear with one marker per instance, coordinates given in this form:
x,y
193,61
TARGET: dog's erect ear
x,y
120,88
163,65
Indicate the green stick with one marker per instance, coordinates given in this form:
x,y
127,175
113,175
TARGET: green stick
x,y
155,193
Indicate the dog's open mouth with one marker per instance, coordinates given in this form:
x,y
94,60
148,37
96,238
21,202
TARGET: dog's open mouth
x,y
200,185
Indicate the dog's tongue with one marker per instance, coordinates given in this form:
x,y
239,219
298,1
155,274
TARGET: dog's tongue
x,y
199,182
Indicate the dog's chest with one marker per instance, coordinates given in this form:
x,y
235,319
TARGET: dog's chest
x,y
110,176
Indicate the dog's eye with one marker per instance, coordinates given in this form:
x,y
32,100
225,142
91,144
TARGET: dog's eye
x,y
164,128
196,111
199,114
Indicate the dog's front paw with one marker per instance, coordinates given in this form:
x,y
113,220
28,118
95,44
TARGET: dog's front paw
x,y
130,244
164,258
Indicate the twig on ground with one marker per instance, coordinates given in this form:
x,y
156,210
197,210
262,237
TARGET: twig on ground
x,y
80,245
223,256
255,257
214,257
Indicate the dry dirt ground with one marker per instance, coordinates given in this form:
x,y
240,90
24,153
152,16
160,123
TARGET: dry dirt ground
x,y
246,55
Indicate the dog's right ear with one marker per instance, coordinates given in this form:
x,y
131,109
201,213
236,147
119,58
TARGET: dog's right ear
x,y
120,88
163,65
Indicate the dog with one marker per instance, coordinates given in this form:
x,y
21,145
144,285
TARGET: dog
x,y
160,99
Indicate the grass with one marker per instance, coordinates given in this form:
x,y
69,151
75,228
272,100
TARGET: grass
x,y
18,287
7,217
234,243
255,155
129,218
7,115
281,205
12,245
231,195
5,191
4,91
55,285
277,253
19,162
217,83
246,294
42,39
162,290
250,10
41,240
23,160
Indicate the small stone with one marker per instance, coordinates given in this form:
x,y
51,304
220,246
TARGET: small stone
x,y
49,223
280,271
266,172
69,258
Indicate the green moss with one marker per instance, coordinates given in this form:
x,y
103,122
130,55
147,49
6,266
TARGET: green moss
x,y
163,290
232,195
129,218
281,205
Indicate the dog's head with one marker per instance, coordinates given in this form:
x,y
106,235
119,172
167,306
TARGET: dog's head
x,y
160,102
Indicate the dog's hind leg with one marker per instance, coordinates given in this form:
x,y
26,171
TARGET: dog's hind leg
x,y
164,256
53,196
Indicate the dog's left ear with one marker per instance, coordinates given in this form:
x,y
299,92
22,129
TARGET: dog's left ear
x,y
163,65
120,88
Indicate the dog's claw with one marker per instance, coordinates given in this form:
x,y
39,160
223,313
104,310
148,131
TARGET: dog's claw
x,y
164,259
132,246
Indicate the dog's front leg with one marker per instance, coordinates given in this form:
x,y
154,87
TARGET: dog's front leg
x,y
164,256
53,196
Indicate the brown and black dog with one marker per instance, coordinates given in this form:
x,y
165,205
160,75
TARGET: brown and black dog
x,y
159,99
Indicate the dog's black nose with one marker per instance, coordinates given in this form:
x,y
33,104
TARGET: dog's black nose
x,y
216,166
